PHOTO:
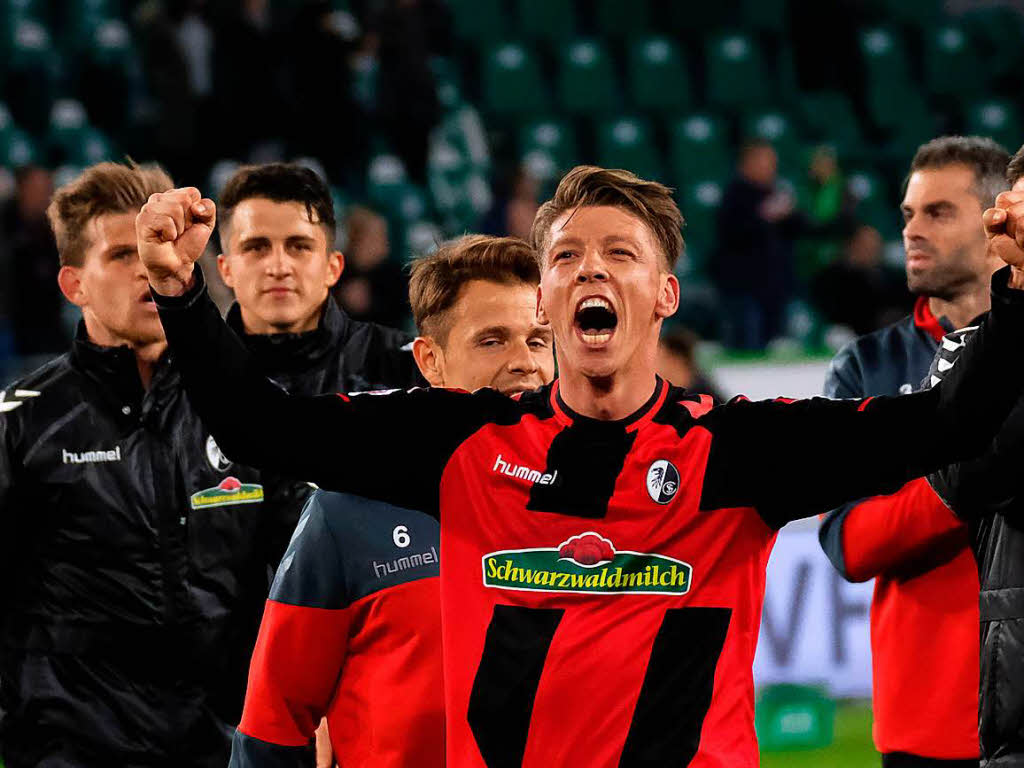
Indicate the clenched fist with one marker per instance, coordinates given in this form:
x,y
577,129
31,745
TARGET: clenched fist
x,y
1004,227
172,229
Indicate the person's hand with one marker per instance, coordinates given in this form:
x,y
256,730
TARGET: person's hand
x,y
1004,228
324,750
173,229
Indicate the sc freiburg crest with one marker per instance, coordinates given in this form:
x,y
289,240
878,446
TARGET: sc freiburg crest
x,y
662,481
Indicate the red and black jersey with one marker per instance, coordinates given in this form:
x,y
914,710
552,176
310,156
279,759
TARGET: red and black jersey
x,y
603,581
352,631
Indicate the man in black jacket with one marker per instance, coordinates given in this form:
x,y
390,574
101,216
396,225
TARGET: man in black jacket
x,y
133,559
988,493
277,232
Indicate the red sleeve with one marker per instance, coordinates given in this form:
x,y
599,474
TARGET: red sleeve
x,y
294,672
886,533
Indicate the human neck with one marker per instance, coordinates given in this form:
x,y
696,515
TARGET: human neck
x,y
257,326
147,354
607,398
963,307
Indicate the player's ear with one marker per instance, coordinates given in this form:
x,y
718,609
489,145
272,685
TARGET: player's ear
x,y
224,267
668,296
335,267
69,279
429,359
542,316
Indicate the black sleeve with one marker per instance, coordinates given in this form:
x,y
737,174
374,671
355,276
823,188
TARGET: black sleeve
x,y
390,447
769,454
844,379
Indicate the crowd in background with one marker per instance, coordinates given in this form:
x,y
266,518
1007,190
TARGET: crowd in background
x,y
338,83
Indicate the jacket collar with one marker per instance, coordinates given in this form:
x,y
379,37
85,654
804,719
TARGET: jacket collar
x,y
283,352
116,372
936,327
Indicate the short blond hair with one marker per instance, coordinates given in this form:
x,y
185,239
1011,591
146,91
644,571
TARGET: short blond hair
x,y
588,185
437,279
100,189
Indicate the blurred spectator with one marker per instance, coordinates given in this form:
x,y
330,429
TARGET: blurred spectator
x,y
829,206
318,72
175,41
35,300
753,265
677,363
406,33
372,287
249,111
514,207
856,290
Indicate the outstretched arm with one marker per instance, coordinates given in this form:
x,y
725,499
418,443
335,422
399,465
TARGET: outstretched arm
x,y
391,448
768,454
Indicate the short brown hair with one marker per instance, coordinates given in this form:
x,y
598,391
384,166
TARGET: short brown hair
x,y
986,158
99,190
1015,168
588,185
437,279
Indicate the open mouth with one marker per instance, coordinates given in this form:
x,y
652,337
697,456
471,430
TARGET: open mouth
x,y
596,320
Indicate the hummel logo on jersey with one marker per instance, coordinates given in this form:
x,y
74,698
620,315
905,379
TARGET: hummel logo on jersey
x,y
20,395
503,467
92,457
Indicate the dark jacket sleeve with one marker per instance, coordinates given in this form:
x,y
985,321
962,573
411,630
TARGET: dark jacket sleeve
x,y
389,447
990,483
768,454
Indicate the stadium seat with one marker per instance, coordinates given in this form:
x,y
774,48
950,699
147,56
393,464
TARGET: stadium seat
x,y
886,74
831,119
616,19
915,126
479,22
952,67
998,119
873,204
93,148
775,126
699,201
698,149
765,15
914,13
998,32
736,76
68,126
586,81
449,87
18,149
554,138
546,20
512,81
628,143
32,66
658,78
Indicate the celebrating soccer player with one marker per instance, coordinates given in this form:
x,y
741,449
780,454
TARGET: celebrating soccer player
x,y
353,625
605,537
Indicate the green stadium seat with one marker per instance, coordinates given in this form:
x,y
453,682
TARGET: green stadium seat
x,y
479,22
776,126
916,125
736,77
699,201
830,119
886,74
872,200
449,85
695,20
627,142
952,65
512,82
421,238
546,20
93,148
996,31
698,149
997,119
658,78
6,121
553,138
386,177
765,15
912,13
69,125
18,149
586,80
616,19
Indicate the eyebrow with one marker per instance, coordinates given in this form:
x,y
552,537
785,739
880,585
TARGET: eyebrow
x,y
119,250
933,206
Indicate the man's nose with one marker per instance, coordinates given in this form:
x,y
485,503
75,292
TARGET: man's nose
x,y
592,267
522,360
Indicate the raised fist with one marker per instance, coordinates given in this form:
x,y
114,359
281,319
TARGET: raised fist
x,y
172,229
1004,227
